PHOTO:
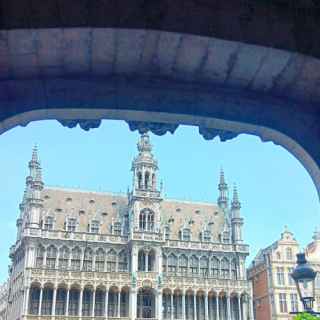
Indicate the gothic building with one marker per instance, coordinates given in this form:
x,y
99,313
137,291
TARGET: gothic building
x,y
87,254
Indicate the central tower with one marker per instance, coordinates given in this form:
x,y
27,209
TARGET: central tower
x,y
145,198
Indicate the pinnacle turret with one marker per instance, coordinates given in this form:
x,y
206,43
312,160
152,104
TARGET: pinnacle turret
x,y
235,204
223,191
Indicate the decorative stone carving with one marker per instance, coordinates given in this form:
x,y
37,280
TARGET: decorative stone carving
x,y
84,124
158,129
211,133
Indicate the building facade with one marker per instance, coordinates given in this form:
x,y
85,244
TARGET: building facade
x,y
274,291
88,255
3,301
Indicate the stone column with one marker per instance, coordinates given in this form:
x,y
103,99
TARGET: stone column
x,y
80,303
67,302
239,307
171,305
183,305
133,304
118,305
146,261
159,261
159,314
134,260
217,307
228,308
206,306
195,306
26,303
250,309
54,299
106,304
40,301
93,302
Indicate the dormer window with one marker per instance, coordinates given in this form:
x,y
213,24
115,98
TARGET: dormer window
x,y
116,228
206,236
185,234
166,233
71,225
94,226
48,223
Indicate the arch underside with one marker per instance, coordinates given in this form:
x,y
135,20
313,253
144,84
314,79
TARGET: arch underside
x,y
157,80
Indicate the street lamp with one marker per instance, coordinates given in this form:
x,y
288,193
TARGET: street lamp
x,y
304,277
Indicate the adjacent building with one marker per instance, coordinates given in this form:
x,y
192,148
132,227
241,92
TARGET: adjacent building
x,y
82,254
3,300
274,291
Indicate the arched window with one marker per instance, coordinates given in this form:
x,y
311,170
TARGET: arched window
x,y
289,253
146,180
51,257
141,261
234,269
61,302
76,259
194,265
154,182
100,260
87,303
48,223
151,260
123,261
46,305
204,268
87,261
63,258
73,307
100,303
215,267
40,257
146,220
34,300
111,261
183,265
172,263
139,175
164,263
225,271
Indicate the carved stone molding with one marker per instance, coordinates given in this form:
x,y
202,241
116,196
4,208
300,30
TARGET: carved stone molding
x,y
210,133
158,129
84,124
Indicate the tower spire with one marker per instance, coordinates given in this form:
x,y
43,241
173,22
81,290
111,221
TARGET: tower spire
x,y
235,204
236,219
223,191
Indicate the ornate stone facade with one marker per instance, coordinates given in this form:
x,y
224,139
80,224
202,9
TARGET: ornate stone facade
x,y
274,291
88,255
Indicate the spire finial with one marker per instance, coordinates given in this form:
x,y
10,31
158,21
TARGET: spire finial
x,y
144,144
35,153
235,201
223,191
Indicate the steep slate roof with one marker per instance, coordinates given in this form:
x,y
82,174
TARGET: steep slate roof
x,y
108,207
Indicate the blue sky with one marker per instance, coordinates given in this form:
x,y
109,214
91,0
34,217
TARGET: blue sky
x,y
275,190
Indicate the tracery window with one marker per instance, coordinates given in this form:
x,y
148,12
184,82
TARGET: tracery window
x,y
100,260
94,226
40,256
123,261
34,300
51,257
194,265
71,225
111,261
142,261
100,303
183,265
172,263
46,306
86,302
225,271
63,258
146,220
87,261
215,267
204,268
48,223
76,259
73,302
61,302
